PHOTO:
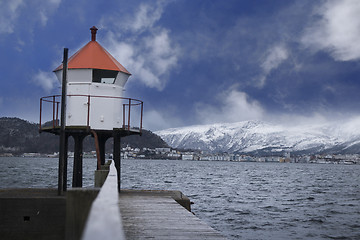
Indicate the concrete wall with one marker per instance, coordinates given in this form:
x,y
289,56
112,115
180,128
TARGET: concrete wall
x,y
78,204
32,214
42,214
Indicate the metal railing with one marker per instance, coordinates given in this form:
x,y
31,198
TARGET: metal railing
x,y
127,107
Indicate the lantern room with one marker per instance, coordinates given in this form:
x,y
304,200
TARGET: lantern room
x,y
95,85
93,64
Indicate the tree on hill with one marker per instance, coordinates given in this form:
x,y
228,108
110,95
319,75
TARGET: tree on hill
x,y
18,136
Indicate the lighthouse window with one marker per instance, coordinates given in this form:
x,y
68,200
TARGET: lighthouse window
x,y
104,76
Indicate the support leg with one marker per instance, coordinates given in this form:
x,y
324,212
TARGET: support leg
x,y
117,156
62,175
65,163
97,147
102,141
78,160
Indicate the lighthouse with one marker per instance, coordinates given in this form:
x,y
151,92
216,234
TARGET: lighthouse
x,y
92,103
92,71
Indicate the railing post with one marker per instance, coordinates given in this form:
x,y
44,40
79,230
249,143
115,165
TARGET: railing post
x,y
57,113
129,114
123,116
88,115
40,113
54,111
141,116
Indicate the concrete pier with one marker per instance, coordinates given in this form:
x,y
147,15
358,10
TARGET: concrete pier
x,y
99,213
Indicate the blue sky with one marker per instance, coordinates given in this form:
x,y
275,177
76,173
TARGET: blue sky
x,y
194,62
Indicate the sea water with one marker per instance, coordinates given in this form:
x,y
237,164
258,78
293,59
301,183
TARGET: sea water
x,y
241,200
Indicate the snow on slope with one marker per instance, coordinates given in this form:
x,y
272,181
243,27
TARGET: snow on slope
x,y
251,136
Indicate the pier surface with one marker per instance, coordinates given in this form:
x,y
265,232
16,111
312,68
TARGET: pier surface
x,y
143,214
157,216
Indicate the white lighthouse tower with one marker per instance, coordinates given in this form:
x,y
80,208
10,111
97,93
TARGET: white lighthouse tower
x,y
93,85
92,71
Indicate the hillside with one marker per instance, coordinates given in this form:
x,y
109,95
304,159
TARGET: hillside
x,y
18,136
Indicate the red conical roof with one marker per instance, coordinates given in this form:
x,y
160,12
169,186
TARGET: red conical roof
x,y
94,56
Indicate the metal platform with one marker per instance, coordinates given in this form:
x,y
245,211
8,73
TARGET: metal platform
x,y
87,130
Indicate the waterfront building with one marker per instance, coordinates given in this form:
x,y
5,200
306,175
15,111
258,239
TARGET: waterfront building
x,y
163,150
187,157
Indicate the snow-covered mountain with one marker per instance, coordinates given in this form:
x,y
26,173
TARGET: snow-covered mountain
x,y
262,137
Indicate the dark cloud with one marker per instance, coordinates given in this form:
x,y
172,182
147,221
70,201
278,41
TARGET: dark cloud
x,y
197,61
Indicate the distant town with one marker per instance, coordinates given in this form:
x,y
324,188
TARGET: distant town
x,y
197,155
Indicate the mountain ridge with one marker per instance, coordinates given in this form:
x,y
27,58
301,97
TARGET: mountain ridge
x,y
263,138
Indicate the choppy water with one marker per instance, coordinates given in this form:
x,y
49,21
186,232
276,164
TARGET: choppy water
x,y
241,200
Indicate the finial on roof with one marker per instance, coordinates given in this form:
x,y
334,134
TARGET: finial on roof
x,y
93,33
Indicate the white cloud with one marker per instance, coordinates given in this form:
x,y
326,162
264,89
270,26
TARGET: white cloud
x,y
9,12
46,8
293,120
46,80
350,126
234,106
149,54
336,30
147,15
155,120
274,57
161,51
